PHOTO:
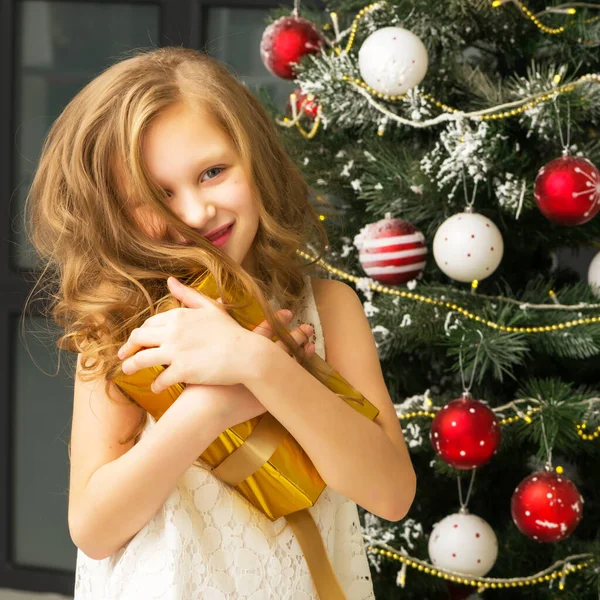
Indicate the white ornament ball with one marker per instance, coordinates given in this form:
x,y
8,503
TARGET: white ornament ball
x,y
464,543
594,274
392,60
468,246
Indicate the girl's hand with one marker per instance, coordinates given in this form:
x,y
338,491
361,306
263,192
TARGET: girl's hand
x,y
301,334
201,344
236,402
172,338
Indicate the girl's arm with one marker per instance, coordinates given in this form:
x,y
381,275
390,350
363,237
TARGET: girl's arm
x,y
353,454
366,461
111,501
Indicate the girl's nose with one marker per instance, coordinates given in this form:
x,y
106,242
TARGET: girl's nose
x,y
196,213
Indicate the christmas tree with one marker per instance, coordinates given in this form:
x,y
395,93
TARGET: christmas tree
x,y
453,151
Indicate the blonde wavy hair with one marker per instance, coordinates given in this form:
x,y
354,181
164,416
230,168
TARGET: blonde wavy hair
x,y
102,275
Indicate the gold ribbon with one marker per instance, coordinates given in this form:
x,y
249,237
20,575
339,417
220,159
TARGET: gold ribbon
x,y
244,462
253,453
313,548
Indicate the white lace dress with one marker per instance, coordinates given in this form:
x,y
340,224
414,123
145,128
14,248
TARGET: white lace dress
x,y
207,542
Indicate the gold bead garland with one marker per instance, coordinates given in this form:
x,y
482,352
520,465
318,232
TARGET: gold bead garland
x,y
482,583
417,413
580,427
451,305
524,416
532,17
544,97
527,104
587,436
537,22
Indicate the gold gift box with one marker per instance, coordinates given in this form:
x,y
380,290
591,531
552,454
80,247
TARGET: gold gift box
x,y
259,457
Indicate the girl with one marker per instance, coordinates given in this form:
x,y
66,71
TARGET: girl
x,y
164,165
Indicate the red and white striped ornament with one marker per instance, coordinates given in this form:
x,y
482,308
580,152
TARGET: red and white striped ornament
x,y
391,251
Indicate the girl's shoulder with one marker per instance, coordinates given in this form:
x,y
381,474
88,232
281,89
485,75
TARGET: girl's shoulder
x,y
325,292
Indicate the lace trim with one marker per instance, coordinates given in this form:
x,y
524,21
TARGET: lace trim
x,y
308,307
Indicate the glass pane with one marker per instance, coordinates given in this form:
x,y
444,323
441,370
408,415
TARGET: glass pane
x,y
234,36
61,46
43,400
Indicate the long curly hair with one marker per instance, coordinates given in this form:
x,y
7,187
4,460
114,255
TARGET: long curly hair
x,y
102,276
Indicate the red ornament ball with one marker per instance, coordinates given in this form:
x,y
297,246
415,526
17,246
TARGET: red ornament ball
x,y
546,506
567,190
465,433
391,251
310,108
286,41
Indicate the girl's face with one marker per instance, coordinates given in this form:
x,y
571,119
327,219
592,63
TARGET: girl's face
x,y
197,165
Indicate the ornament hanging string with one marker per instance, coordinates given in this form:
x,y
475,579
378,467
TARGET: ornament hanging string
x,y
468,204
463,505
521,198
469,209
546,444
336,29
565,146
467,390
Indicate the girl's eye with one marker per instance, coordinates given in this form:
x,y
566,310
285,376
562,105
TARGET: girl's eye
x,y
205,172
214,169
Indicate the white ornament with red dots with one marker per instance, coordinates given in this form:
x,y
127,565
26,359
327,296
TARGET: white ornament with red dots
x,y
593,275
468,246
464,543
392,60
